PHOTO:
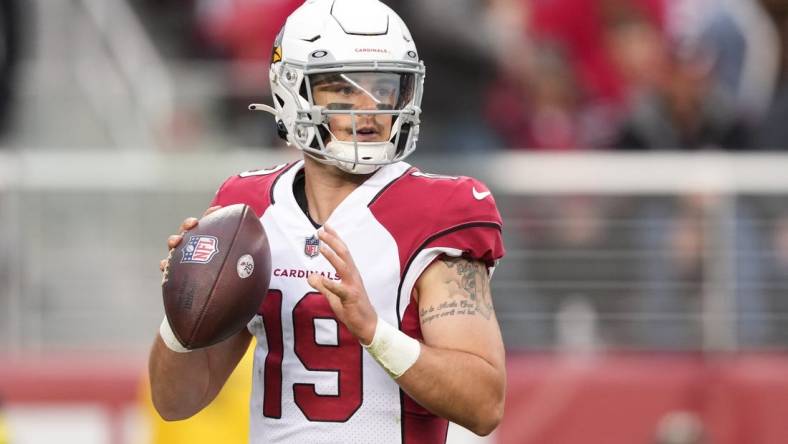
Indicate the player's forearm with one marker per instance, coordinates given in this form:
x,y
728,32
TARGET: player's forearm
x,y
182,384
459,386
179,381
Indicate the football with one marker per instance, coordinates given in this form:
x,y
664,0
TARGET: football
x,y
217,277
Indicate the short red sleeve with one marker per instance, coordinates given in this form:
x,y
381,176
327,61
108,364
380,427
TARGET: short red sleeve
x,y
253,188
425,211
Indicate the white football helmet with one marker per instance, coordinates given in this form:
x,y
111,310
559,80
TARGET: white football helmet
x,y
339,66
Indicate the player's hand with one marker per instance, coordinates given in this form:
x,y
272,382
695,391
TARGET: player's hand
x,y
347,297
175,239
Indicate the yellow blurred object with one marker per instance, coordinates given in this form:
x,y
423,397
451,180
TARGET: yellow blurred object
x,y
225,420
4,438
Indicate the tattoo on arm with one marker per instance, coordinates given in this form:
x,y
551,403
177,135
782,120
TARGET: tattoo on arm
x,y
469,291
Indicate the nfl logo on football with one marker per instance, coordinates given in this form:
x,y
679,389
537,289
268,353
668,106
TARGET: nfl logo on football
x,y
312,246
200,249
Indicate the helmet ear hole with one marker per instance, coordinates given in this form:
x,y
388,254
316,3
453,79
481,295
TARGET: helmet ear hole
x,y
281,129
404,133
324,135
302,91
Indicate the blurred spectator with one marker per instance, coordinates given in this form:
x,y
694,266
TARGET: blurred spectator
x,y
679,427
243,31
744,45
778,11
11,27
573,272
542,108
781,244
761,248
586,28
773,132
671,275
684,108
172,25
705,249
572,71
239,35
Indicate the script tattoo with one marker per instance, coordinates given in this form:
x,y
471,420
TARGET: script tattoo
x,y
469,292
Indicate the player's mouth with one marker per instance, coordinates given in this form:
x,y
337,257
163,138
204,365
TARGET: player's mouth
x,y
368,134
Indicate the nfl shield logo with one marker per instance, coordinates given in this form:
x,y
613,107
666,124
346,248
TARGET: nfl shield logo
x,y
200,249
311,246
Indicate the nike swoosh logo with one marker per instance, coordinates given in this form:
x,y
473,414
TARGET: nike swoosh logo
x,y
479,196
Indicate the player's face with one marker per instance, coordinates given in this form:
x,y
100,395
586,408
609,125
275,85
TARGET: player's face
x,y
359,92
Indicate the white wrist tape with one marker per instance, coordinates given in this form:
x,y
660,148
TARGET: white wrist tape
x,y
395,351
165,331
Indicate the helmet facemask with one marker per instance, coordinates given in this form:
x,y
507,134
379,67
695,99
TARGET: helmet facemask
x,y
357,116
362,116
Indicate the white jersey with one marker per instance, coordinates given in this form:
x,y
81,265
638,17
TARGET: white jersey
x,y
313,382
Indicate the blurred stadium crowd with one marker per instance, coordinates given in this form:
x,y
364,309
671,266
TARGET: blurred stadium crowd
x,y
519,74
544,74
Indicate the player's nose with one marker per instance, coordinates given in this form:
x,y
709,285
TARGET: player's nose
x,y
366,120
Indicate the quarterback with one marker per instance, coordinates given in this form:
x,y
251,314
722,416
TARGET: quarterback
x,y
379,324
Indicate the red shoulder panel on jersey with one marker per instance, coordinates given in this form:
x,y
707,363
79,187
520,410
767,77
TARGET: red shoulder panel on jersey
x,y
423,210
253,188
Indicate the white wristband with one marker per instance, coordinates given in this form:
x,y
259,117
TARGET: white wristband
x,y
165,331
395,351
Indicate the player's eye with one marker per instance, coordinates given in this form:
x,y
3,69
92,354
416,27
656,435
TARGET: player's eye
x,y
387,94
383,91
344,90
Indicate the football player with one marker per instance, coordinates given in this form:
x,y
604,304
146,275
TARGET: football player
x,y
379,324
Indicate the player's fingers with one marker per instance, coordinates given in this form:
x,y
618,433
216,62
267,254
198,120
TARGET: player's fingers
x,y
339,265
211,210
315,281
188,223
330,237
174,240
162,265
324,286
335,288
335,303
330,230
